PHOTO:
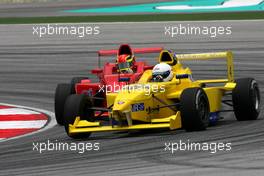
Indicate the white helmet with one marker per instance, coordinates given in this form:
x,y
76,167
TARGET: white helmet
x,y
162,72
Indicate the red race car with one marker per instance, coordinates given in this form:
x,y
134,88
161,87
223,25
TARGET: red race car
x,y
112,77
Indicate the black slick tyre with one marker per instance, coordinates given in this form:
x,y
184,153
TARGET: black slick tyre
x,y
61,93
194,109
77,105
246,99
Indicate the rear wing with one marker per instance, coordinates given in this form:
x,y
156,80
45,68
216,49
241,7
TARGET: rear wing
x,y
228,55
135,51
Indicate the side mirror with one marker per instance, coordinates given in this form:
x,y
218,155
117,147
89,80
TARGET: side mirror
x,y
97,71
182,76
124,80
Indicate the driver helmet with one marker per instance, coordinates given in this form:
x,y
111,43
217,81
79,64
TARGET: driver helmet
x,y
162,73
125,63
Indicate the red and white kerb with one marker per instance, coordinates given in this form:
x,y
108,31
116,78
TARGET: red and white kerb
x,y
19,121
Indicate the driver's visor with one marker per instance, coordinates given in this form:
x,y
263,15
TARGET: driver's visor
x,y
124,65
162,74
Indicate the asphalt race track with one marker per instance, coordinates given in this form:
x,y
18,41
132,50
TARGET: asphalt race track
x,y
30,68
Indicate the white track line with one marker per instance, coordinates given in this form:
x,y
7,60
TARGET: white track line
x,y
22,124
226,4
17,111
51,122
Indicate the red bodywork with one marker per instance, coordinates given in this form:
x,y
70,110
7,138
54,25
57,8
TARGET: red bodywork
x,y
110,79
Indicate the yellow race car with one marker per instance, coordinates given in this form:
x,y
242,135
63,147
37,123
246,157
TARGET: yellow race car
x,y
179,103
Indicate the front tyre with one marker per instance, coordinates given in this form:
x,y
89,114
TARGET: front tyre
x,y
246,99
61,93
77,105
194,109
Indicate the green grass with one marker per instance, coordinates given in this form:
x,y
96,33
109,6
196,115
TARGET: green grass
x,y
134,18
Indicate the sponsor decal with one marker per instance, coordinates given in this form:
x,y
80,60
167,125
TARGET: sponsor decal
x,y
138,107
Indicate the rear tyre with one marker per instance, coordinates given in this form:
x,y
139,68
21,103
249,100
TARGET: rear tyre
x,y
76,80
77,105
194,109
246,99
61,93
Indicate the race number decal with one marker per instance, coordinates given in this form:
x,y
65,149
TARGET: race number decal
x,y
138,107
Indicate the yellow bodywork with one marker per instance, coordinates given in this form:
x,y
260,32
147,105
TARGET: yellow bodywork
x,y
138,105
